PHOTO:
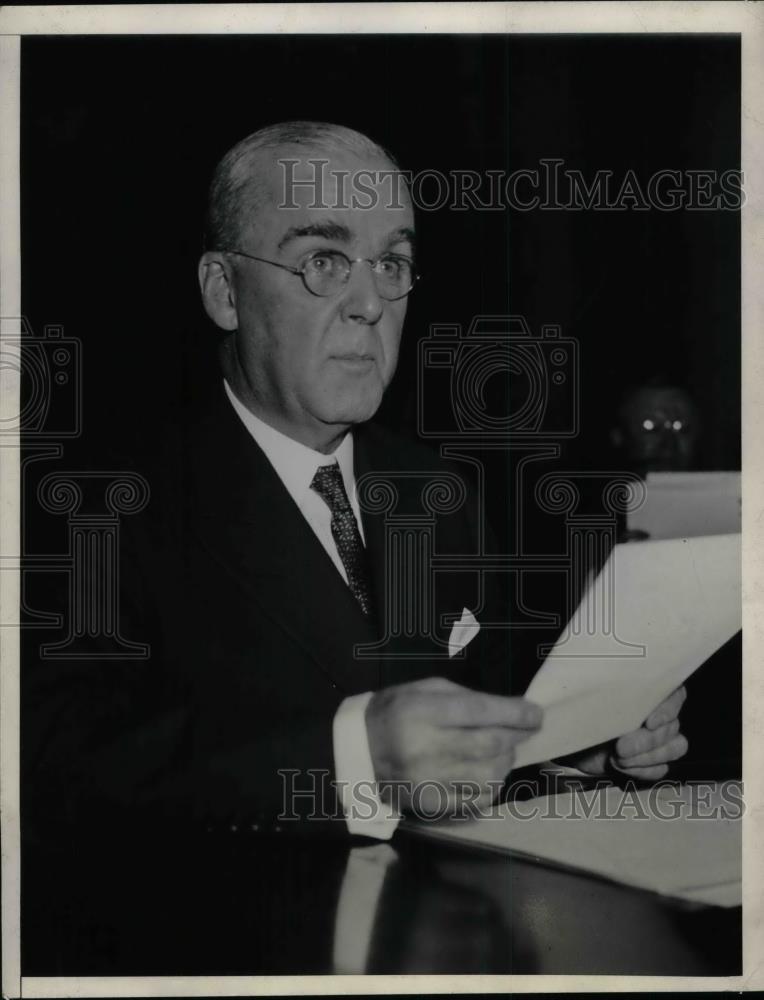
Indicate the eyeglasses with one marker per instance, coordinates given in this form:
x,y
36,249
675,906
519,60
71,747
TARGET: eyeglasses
x,y
326,272
677,426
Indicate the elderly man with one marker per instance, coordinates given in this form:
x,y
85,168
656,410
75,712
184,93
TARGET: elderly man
x,y
256,574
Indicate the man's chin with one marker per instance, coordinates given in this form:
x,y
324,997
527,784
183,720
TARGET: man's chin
x,y
351,415
353,407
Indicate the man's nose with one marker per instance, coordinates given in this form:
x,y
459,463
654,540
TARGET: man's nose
x,y
361,301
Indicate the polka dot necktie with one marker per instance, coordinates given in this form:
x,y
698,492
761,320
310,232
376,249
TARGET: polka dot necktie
x,y
328,483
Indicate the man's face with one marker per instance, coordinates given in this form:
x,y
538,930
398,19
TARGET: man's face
x,y
313,364
661,429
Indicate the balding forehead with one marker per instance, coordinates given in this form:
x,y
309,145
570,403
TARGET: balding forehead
x,y
332,171
316,180
304,161
247,177
291,186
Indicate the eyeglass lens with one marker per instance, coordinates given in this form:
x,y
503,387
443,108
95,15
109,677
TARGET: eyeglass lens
x,y
327,272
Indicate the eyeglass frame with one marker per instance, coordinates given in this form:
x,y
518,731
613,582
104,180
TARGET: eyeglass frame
x,y
351,260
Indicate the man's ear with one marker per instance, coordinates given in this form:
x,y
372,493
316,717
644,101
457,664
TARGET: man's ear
x,y
217,290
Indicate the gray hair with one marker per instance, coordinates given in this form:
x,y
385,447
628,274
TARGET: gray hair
x,y
235,176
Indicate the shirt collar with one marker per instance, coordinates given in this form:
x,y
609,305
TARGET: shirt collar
x,y
294,463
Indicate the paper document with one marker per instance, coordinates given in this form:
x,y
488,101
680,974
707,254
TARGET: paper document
x,y
655,613
689,504
669,840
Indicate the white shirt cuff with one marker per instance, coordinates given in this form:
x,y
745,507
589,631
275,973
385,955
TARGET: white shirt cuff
x,y
365,812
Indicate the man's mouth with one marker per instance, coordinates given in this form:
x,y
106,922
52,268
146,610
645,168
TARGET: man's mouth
x,y
354,360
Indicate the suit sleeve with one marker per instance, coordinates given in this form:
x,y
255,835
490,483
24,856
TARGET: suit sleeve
x,y
94,752
107,742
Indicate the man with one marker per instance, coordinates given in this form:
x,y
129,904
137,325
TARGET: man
x,y
657,429
257,577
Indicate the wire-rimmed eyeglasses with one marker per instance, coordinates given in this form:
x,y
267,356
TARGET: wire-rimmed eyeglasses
x,y
326,272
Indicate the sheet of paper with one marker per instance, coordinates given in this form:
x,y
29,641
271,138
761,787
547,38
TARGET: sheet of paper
x,y
689,504
656,612
625,836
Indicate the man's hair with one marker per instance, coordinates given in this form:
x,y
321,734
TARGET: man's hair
x,y
235,188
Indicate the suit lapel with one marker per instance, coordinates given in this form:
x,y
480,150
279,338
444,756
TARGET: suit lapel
x,y
242,514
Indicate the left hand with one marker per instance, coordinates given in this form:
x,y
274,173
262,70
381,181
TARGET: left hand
x,y
644,753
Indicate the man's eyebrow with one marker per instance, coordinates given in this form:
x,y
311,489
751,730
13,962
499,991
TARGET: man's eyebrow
x,y
324,230
399,235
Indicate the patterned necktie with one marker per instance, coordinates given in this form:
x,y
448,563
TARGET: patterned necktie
x,y
328,483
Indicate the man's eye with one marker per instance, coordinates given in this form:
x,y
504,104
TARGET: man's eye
x,y
321,263
394,267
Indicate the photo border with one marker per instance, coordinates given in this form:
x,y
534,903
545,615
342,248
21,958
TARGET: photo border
x,y
735,17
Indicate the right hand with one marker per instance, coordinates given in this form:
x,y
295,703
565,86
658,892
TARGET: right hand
x,y
435,731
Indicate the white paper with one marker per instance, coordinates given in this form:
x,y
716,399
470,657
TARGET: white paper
x,y
696,855
655,613
689,504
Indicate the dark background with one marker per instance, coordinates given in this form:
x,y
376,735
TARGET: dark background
x,y
120,135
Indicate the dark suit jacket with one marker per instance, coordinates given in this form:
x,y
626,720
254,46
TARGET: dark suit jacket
x,y
252,635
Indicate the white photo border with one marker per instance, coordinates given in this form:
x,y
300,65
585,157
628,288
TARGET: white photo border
x,y
745,19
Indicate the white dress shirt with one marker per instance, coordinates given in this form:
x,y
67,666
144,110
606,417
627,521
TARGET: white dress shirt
x,y
296,464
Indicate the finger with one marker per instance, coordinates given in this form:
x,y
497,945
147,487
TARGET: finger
x,y
673,750
438,684
643,740
478,709
667,710
645,773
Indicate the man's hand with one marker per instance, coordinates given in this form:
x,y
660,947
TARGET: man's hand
x,y
435,731
644,753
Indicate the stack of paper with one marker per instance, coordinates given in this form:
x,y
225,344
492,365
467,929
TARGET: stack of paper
x,y
689,504
656,612
681,842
